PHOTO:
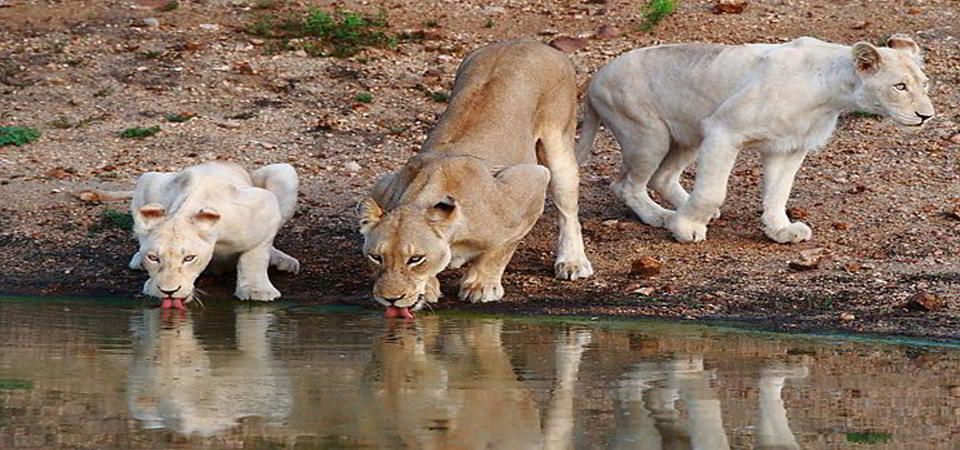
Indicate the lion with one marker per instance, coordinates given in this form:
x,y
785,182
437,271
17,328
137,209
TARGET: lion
x,y
213,214
476,188
671,104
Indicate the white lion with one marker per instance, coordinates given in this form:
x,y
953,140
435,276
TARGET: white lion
x,y
212,214
669,105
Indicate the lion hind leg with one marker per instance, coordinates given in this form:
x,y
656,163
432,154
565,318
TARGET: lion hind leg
x,y
282,181
644,146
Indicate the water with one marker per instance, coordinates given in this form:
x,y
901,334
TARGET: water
x,y
112,374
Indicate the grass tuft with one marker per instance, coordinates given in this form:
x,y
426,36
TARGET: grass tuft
x,y
112,218
339,34
139,132
655,12
178,117
364,97
438,96
17,136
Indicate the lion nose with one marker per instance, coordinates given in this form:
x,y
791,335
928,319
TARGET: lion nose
x,y
923,117
170,292
392,300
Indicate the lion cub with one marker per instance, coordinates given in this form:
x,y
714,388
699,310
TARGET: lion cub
x,y
212,213
476,188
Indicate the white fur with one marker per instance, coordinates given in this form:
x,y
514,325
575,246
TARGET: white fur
x,y
670,105
218,214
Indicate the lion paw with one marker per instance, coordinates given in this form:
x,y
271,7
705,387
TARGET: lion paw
x,y
481,292
284,262
573,269
685,230
793,233
257,293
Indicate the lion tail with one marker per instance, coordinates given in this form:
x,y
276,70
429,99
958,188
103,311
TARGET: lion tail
x,y
96,195
588,131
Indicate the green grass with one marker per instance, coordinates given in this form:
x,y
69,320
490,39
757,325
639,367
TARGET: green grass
x,y
139,132
151,54
172,5
112,218
339,34
17,135
869,437
438,96
178,117
364,97
9,384
655,12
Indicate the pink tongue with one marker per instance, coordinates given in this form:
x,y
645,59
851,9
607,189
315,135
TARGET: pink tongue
x,y
176,303
393,311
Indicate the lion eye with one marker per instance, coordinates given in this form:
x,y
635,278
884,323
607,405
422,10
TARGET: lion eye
x,y
153,258
416,259
189,258
900,86
377,259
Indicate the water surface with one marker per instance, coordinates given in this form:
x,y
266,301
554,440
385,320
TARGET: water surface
x,y
115,374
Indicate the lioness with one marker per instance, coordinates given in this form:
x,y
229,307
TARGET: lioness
x,y
212,213
475,188
670,104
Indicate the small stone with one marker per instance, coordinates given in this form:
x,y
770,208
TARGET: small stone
x,y
607,32
847,316
646,291
151,22
256,41
209,26
352,166
955,212
610,222
861,25
809,259
230,124
730,6
924,301
646,266
89,196
568,44
841,226
432,73
852,267
954,390
955,138
59,173
797,213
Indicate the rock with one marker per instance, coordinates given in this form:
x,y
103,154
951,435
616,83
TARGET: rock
x,y
89,196
955,138
230,124
809,259
852,267
646,266
568,44
432,73
730,6
955,212
352,166
151,22
256,41
610,223
924,301
847,316
209,26
797,213
607,32
641,289
841,226
860,25
59,173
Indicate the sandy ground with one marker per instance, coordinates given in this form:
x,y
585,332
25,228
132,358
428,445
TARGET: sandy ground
x,y
879,198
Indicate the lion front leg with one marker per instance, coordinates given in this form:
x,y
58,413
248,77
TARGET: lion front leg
x,y
253,283
779,171
482,283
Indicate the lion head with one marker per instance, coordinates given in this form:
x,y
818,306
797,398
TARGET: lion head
x,y
894,84
174,250
408,246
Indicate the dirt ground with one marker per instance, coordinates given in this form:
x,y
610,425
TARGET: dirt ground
x,y
879,198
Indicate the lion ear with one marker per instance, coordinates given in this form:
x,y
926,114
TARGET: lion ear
x,y
369,213
905,43
446,212
206,218
149,215
866,58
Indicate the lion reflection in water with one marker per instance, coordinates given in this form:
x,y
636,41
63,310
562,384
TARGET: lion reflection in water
x,y
175,383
